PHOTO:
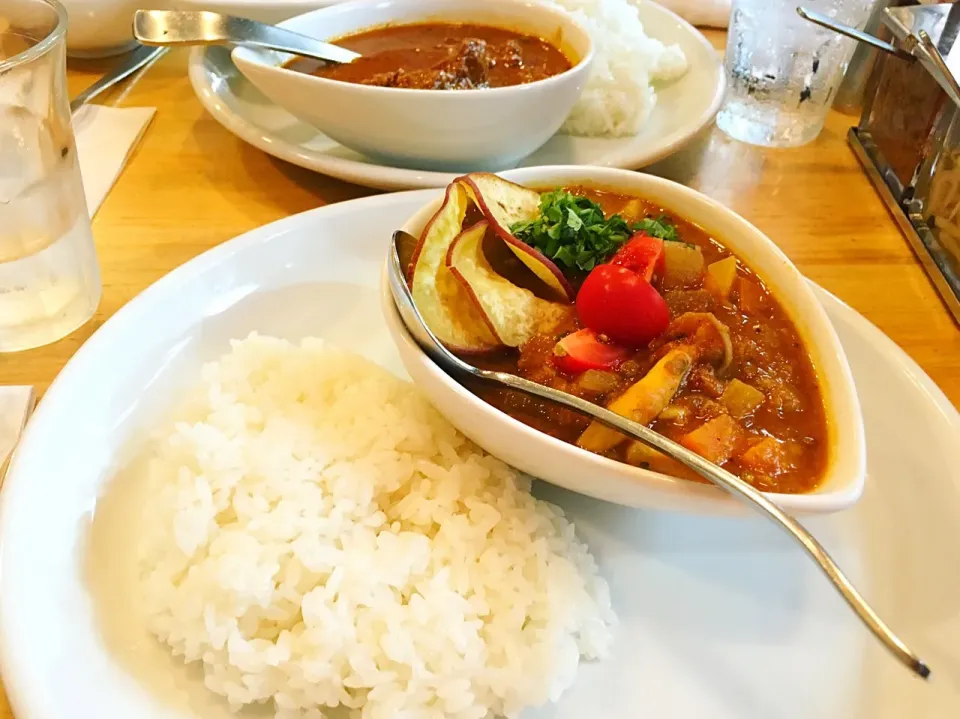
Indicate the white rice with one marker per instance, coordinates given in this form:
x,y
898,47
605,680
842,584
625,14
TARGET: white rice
x,y
317,535
620,94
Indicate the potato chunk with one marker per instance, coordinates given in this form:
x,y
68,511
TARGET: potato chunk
x,y
683,265
740,399
720,277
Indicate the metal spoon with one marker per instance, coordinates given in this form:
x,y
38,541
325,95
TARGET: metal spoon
x,y
456,367
852,32
915,47
183,27
137,59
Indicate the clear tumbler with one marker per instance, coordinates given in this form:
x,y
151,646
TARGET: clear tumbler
x,y
783,71
49,277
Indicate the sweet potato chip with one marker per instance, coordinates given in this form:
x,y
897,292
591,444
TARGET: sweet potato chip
x,y
444,303
504,204
515,314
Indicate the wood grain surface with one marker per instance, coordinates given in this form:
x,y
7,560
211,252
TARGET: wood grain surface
x,y
192,185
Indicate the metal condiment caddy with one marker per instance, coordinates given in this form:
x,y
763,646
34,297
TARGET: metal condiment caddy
x,y
908,137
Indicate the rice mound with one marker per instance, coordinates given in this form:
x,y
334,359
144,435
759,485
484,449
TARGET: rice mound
x,y
318,535
619,94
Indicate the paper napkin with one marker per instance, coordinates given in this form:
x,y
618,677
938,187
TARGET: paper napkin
x,y
106,136
709,13
16,404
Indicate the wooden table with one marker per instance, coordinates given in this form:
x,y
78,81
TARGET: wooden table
x,y
192,185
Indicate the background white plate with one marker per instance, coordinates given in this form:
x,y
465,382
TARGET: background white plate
x,y
720,618
683,109
271,11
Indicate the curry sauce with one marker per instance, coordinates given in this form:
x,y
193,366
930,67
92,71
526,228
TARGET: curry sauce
x,y
442,56
780,443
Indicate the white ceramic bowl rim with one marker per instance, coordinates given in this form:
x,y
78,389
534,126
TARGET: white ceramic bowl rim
x,y
563,17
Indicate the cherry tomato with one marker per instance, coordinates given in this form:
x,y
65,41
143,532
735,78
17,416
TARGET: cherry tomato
x,y
642,254
581,350
620,304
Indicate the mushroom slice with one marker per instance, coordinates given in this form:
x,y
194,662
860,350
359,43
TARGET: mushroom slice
x,y
644,400
708,335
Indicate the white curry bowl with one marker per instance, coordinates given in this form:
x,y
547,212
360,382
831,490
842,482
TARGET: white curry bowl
x,y
442,130
568,466
100,28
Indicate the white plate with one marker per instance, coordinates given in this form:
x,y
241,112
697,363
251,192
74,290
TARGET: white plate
x,y
720,618
683,109
271,11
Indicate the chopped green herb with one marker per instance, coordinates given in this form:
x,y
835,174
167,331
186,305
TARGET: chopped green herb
x,y
659,227
573,231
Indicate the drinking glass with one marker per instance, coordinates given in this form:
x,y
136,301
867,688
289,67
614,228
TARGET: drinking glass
x,y
49,277
783,71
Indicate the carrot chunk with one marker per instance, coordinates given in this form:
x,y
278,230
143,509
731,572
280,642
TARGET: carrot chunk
x,y
715,440
751,298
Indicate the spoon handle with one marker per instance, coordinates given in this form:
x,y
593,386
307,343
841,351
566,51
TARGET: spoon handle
x,y
251,32
201,27
739,489
138,59
830,24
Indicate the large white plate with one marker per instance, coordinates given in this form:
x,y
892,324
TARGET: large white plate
x,y
683,109
720,618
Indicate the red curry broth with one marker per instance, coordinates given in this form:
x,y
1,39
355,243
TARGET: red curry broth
x,y
442,56
768,355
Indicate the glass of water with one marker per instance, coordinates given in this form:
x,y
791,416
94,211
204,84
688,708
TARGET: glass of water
x,y
783,71
49,278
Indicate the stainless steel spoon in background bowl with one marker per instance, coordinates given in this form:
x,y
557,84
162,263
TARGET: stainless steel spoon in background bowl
x,y
136,60
186,27
458,369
